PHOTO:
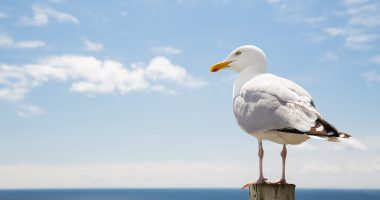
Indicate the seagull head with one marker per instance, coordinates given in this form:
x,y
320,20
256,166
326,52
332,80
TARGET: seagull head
x,y
244,57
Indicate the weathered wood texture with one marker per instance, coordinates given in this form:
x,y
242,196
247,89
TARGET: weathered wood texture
x,y
272,191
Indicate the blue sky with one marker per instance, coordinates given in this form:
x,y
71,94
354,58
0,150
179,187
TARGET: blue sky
x,y
118,94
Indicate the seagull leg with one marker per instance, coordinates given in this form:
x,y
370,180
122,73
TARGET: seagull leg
x,y
261,156
284,152
261,179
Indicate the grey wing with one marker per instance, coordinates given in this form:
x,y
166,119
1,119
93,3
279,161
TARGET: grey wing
x,y
322,128
268,102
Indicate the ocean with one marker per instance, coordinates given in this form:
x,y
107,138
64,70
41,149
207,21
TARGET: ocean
x,y
177,194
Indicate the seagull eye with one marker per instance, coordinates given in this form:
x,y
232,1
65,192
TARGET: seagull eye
x,y
237,53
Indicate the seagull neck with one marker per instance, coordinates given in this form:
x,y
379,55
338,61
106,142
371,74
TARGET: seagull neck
x,y
245,75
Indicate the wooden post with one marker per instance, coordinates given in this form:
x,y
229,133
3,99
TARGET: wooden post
x,y
272,191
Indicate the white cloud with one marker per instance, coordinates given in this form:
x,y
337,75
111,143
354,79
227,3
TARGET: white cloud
x,y
376,59
7,41
360,41
359,21
315,160
354,11
325,173
339,168
92,46
163,89
333,165
144,174
161,69
353,39
366,15
166,50
362,19
43,15
90,75
14,83
30,44
30,110
372,76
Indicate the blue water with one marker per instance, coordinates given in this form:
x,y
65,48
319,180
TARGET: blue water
x,y
176,194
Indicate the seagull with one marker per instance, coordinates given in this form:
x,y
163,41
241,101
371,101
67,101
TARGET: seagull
x,y
273,108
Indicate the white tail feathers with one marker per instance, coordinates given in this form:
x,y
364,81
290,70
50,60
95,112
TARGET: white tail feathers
x,y
342,137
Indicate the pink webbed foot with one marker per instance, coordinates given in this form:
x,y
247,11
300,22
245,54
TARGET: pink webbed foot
x,y
259,181
281,181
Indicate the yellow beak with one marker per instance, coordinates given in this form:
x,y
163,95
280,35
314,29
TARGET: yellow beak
x,y
219,66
